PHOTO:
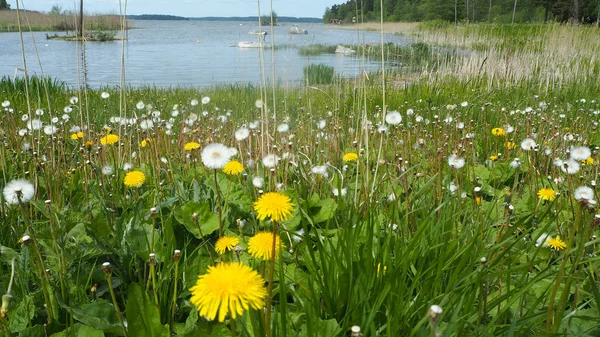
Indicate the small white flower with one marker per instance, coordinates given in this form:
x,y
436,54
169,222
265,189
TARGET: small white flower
x,y
336,192
542,240
18,190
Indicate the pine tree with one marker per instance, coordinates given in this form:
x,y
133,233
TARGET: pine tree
x,y
4,5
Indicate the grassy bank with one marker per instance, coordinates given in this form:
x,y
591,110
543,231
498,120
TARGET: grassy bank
x,y
37,21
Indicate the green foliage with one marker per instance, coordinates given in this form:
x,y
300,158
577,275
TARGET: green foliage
x,y
318,74
499,11
4,5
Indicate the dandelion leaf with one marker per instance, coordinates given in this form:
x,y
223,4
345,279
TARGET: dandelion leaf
x,y
80,331
100,315
143,318
208,221
18,320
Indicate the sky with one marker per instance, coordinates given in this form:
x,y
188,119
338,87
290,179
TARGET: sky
x,y
191,8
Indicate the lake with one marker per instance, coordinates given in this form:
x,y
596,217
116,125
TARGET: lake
x,y
188,53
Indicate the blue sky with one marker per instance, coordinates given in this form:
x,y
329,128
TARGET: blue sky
x,y
192,8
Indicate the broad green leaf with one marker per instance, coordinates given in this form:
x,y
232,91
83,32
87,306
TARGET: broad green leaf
x,y
100,315
143,318
208,221
80,331
18,320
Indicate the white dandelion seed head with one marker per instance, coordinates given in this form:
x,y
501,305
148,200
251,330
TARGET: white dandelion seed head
x,y
215,156
580,152
254,125
127,166
39,112
528,144
320,170
456,162
107,170
259,104
583,193
241,134
282,128
393,118
233,152
270,160
50,129
146,124
25,118
258,182
54,120
74,100
22,132
321,124
105,95
35,124
194,102
205,100
570,166
18,190
5,104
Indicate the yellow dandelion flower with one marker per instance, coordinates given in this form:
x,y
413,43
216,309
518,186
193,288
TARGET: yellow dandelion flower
x,y
275,206
191,146
74,136
109,139
226,243
493,157
89,144
260,246
498,132
589,161
350,156
134,179
228,289
144,143
77,135
556,243
234,167
547,194
510,145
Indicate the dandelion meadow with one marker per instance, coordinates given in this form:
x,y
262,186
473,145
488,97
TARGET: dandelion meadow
x,y
454,203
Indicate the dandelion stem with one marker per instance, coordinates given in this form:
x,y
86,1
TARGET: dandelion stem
x,y
270,287
219,204
115,304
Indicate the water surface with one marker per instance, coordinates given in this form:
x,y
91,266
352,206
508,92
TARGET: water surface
x,y
187,53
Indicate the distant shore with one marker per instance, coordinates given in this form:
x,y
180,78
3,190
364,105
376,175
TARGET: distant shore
x,y
388,27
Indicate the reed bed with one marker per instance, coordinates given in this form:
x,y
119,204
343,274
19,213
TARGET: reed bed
x,y
37,21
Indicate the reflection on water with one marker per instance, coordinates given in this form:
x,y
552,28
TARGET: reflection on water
x,y
187,53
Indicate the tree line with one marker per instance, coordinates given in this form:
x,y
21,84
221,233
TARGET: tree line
x,y
500,11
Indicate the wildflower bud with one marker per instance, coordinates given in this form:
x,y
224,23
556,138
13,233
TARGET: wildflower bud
x,y
5,304
176,255
195,217
355,331
237,249
153,211
106,267
483,260
94,288
152,259
435,311
26,240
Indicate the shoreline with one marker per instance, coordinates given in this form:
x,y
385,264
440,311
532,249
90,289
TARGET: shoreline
x,y
388,27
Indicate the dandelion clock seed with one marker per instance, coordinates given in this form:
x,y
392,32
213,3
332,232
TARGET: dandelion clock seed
x,y
216,156
18,190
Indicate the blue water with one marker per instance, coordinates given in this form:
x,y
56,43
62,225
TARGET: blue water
x,y
186,54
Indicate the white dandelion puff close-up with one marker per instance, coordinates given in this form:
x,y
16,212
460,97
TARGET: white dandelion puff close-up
x,y
18,191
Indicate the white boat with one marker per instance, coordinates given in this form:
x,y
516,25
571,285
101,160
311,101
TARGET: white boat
x,y
253,44
298,30
344,50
